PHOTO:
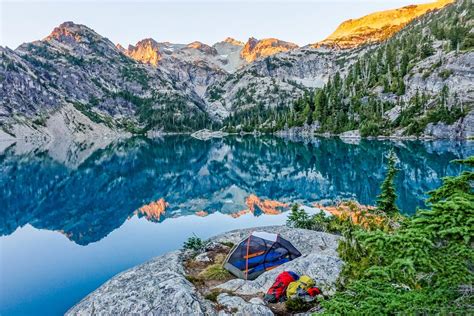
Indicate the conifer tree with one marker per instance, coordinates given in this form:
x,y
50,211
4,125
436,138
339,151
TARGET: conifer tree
x,y
298,218
386,201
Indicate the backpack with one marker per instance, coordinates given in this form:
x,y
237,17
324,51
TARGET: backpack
x,y
276,293
299,287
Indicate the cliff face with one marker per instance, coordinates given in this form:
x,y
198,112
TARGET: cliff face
x,y
378,26
273,81
146,51
254,48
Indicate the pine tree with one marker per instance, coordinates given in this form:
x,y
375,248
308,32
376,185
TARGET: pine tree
x,y
320,106
307,114
400,87
386,201
298,218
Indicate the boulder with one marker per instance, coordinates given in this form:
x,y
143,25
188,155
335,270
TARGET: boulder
x,y
216,246
205,134
351,137
305,130
235,305
393,113
355,134
461,129
5,144
157,287
202,257
5,136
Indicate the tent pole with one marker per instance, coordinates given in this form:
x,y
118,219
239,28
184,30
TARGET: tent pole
x,y
247,258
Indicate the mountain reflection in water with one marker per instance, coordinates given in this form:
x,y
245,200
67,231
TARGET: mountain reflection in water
x,y
178,176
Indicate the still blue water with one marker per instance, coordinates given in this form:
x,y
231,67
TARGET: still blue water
x,y
67,215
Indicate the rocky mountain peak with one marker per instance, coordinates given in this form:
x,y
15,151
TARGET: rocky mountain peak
x,y
146,51
378,26
251,43
121,48
148,42
69,32
202,47
233,41
255,48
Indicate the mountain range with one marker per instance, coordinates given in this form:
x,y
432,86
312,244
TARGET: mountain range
x,y
77,84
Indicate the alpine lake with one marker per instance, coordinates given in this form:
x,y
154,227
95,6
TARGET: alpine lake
x,y
71,218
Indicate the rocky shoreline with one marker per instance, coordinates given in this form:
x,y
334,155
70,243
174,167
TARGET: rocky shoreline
x,y
463,129
161,287
57,127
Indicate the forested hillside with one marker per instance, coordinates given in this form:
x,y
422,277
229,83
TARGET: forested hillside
x,y
417,77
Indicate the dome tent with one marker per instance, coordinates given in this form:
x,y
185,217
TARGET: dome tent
x,y
259,252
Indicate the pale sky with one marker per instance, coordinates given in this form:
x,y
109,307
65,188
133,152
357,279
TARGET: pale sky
x,y
126,22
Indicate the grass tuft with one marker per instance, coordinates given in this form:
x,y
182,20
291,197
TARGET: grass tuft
x,y
194,280
228,244
212,296
215,272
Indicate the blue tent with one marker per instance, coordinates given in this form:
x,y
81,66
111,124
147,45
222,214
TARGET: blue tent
x,y
259,252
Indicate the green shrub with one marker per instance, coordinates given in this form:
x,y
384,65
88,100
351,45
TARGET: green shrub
x,y
194,243
212,296
40,121
298,305
137,74
215,93
298,218
426,74
330,224
78,61
416,127
444,115
194,280
444,74
95,117
369,129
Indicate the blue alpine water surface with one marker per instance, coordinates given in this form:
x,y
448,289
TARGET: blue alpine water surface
x,y
69,220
